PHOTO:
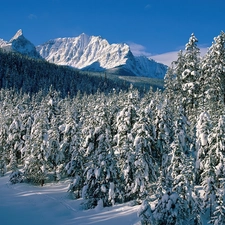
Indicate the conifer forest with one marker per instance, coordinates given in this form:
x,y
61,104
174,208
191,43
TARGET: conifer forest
x,y
118,143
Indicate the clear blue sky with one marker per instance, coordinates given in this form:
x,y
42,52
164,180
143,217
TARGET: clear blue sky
x,y
151,26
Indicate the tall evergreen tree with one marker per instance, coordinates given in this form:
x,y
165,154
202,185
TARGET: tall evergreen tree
x,y
203,129
124,145
36,150
178,69
216,158
145,166
189,78
4,152
101,171
213,77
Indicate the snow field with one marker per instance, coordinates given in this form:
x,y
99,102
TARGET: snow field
x,y
24,204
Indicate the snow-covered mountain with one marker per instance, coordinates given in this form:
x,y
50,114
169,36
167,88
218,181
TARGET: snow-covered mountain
x,y
92,53
95,54
2,43
20,44
149,66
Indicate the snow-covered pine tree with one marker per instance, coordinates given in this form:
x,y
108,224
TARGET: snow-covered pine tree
x,y
216,156
181,182
208,183
71,145
16,134
164,136
35,152
15,144
180,177
159,128
219,212
51,104
169,210
182,78
14,141
205,162
100,165
203,128
4,154
213,78
164,130
217,149
6,119
145,166
145,213
189,78
124,150
178,68
55,154
169,84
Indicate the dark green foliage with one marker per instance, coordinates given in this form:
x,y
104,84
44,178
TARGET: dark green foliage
x,y
32,75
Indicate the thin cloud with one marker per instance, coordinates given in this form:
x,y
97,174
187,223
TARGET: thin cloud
x,y
138,49
148,6
32,16
165,58
203,50
168,57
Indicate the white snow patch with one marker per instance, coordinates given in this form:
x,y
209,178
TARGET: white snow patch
x,y
25,204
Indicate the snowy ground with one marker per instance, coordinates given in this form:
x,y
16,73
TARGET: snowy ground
x,y
24,204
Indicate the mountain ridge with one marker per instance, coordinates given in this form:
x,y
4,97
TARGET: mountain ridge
x,y
83,51
90,53
94,53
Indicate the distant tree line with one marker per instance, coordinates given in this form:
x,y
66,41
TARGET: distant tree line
x,y
30,75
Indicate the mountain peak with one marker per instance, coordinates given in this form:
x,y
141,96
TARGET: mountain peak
x,y
18,34
94,53
84,35
20,44
84,39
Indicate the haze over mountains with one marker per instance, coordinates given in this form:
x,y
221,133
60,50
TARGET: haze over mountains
x,y
89,53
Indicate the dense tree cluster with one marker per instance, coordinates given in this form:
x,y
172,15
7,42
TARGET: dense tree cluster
x,y
32,75
163,146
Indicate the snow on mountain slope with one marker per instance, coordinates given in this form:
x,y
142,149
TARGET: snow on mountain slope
x,y
83,51
2,43
149,66
96,54
20,44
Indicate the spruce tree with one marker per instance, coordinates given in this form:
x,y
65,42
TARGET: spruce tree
x,y
178,69
4,156
70,131
55,154
36,152
213,77
123,148
189,78
100,169
203,129
145,166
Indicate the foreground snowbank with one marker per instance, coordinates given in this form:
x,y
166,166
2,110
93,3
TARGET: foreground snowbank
x,y
33,205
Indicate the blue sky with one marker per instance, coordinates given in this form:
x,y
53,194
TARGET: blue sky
x,y
151,27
